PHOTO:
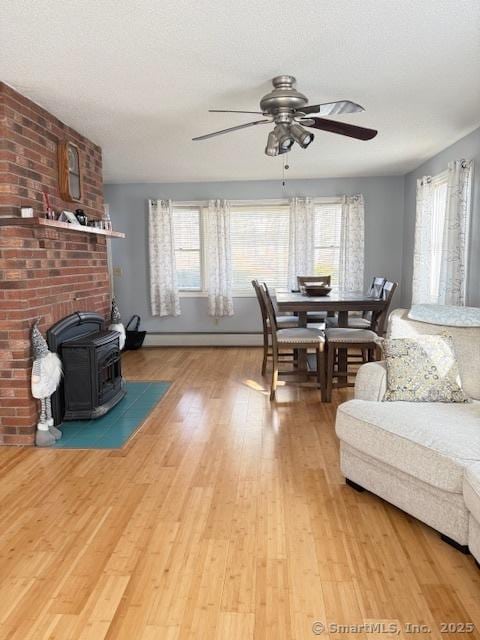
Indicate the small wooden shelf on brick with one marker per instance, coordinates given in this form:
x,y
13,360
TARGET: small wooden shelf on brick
x,y
39,222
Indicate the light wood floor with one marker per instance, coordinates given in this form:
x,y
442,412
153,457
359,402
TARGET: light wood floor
x,y
225,518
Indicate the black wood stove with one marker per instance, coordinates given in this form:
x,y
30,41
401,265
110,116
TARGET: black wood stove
x,y
92,381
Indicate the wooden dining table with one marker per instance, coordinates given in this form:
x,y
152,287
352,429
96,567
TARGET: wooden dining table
x,y
338,300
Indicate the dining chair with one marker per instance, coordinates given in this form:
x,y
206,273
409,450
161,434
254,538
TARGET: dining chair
x,y
279,314
295,338
303,280
368,341
315,317
381,318
376,288
284,321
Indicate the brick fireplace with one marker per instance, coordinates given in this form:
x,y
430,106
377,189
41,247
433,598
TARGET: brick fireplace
x,y
45,272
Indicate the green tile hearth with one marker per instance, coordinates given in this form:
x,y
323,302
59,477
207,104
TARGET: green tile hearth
x,y
112,430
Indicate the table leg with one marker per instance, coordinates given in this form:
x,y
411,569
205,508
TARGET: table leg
x,y
343,353
343,319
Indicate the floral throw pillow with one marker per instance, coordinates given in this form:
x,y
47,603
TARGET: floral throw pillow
x,y
422,369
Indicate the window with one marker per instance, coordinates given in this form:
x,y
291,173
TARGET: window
x,y
439,200
442,225
328,220
259,243
259,235
186,224
429,251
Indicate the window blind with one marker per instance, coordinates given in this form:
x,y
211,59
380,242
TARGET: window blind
x,y
328,221
259,237
186,222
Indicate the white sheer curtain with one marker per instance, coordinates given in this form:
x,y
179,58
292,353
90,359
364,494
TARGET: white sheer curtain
x,y
219,259
453,267
441,237
301,240
423,251
164,297
352,243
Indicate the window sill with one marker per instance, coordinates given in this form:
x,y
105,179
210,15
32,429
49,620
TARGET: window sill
x,y
204,294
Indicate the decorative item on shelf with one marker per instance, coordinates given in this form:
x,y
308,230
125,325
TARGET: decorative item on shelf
x,y
49,212
26,212
69,172
46,375
116,323
68,216
107,221
81,217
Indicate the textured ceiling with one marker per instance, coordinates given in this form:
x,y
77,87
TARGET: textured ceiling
x,y
138,77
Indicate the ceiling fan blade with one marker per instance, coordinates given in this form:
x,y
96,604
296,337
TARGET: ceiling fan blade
x,y
222,131
333,108
260,113
343,128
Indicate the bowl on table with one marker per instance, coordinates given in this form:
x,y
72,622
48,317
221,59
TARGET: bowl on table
x,y
316,289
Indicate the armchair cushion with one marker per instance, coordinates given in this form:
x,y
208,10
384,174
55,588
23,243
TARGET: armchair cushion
x,y
433,442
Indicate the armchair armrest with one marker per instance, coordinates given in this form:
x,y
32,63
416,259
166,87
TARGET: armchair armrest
x,y
371,381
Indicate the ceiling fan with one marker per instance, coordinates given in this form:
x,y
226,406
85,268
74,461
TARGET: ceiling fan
x,y
289,110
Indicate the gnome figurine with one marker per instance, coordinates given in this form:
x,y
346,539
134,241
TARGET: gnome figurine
x,y
116,323
46,375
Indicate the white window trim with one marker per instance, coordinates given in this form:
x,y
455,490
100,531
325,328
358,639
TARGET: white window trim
x,y
203,205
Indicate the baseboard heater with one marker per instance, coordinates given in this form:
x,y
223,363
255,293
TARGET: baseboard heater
x,y
204,339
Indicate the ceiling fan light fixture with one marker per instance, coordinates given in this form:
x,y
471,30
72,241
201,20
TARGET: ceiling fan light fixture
x,y
301,135
285,139
273,145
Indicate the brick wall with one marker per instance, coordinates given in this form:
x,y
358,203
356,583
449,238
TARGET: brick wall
x,y
29,138
45,273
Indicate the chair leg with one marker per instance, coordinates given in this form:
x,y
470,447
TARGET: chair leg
x,y
321,374
274,374
265,353
331,352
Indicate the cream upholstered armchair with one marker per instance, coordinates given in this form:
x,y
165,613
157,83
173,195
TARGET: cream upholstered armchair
x,y
419,456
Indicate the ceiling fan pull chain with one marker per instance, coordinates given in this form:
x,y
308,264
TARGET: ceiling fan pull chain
x,y
285,167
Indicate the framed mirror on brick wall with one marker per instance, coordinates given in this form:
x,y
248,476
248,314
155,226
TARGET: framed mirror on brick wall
x,y
69,172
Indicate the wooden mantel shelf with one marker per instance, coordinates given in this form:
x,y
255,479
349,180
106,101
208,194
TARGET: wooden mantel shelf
x,y
56,224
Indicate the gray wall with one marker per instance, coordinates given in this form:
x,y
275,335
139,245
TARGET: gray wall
x,y
469,149
384,204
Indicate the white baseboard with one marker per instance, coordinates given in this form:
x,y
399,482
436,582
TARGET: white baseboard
x,y
203,340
